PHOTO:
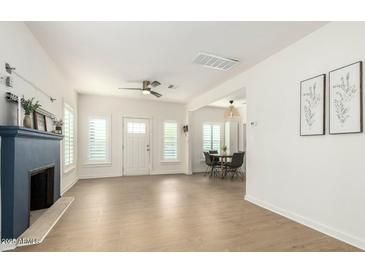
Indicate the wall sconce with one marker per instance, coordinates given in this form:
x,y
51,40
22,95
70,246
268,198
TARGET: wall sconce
x,y
185,128
8,82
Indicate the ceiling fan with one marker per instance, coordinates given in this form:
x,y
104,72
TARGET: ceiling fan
x,y
146,88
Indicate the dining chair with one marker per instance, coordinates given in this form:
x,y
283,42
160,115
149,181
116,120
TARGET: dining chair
x,y
211,164
215,159
234,167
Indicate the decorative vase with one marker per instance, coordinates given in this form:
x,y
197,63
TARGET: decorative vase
x,y
27,122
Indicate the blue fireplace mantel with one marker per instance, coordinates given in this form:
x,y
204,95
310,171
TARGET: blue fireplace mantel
x,y
24,150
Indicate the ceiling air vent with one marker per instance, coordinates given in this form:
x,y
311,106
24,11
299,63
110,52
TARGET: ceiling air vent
x,y
171,86
213,61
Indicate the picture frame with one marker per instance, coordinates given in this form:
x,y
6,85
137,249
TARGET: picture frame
x,y
39,121
49,124
312,106
345,99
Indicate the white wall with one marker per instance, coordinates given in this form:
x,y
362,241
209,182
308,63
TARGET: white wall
x,y
318,181
20,49
242,138
116,108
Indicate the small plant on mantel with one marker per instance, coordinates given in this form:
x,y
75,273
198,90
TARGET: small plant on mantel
x,y
224,149
29,107
58,124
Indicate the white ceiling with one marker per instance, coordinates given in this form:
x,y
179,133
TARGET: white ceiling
x,y
238,97
99,57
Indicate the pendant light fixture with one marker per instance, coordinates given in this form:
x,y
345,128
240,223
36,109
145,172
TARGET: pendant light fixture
x,y
231,114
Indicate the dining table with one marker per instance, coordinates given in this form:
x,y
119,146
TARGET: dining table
x,y
223,159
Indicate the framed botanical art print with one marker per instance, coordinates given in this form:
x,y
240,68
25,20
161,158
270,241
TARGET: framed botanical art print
x,y
345,96
312,106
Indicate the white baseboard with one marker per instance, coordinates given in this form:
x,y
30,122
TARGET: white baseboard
x,y
82,177
69,186
160,172
155,172
342,236
199,170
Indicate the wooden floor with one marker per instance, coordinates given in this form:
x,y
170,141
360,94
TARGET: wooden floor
x,y
175,213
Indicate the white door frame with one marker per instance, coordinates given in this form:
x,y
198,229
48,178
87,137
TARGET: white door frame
x,y
149,139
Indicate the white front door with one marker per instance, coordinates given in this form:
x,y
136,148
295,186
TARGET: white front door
x,y
136,146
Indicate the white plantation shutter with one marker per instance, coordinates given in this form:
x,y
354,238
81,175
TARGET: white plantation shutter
x,y
212,137
69,138
207,137
216,137
170,141
97,143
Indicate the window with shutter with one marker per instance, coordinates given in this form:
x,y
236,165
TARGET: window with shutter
x,y
212,137
216,137
170,141
98,140
207,137
69,137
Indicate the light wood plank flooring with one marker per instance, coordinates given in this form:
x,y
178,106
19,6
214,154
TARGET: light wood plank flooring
x,y
175,213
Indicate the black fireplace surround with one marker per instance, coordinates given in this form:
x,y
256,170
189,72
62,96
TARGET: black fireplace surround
x,y
30,176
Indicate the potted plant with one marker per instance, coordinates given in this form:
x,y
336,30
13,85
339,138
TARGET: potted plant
x,y
58,124
29,107
224,149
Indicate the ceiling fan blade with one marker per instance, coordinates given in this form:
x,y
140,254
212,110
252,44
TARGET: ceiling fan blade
x,y
131,88
158,95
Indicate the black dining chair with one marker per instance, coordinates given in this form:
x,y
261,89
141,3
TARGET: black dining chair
x,y
234,167
211,164
215,159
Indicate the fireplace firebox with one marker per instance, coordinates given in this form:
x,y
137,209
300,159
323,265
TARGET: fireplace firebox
x,y
41,188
